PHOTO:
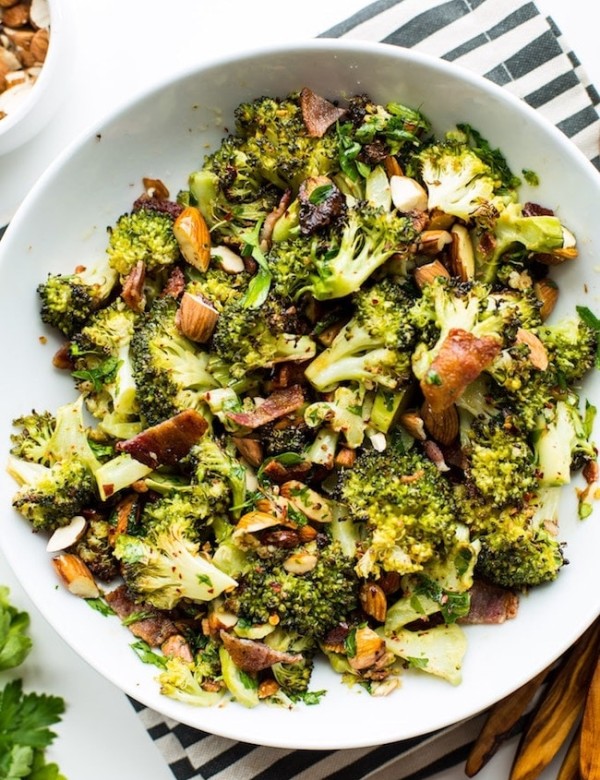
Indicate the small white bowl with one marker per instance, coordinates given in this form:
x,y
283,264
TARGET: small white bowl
x,y
40,104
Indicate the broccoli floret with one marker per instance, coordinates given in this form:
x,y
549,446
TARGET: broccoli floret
x,y
249,339
572,346
50,496
171,373
31,442
341,415
96,551
102,364
218,287
184,682
501,463
407,506
285,435
374,347
208,458
533,234
166,566
67,300
365,240
277,141
311,603
142,236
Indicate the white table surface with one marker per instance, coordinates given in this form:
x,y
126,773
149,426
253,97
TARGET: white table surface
x,y
121,48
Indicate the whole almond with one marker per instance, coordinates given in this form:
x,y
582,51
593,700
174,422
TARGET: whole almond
x,y
39,45
443,426
7,3
16,16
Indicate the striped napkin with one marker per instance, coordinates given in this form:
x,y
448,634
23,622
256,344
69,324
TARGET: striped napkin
x,y
512,44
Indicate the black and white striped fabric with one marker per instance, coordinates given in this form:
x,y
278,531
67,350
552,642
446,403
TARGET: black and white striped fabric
x,y
512,44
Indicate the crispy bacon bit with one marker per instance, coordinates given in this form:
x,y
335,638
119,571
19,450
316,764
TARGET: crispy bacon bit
x,y
277,405
461,359
318,114
133,287
279,473
251,656
168,442
177,647
289,373
535,210
268,226
490,604
153,627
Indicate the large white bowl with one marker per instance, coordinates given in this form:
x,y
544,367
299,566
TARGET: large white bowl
x,y
165,134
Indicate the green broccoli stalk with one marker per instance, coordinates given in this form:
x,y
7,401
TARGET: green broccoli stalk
x,y
373,348
166,566
341,415
67,300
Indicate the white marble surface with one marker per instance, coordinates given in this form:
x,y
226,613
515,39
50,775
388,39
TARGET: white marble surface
x,y
122,48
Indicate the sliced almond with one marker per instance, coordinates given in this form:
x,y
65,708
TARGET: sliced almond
x,y
538,356
227,260
76,576
39,14
431,242
442,426
251,450
67,535
426,274
192,234
268,687
307,501
373,601
547,291
300,562
196,318
155,188
306,533
408,194
39,45
462,256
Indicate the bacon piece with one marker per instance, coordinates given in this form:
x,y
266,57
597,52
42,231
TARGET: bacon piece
x,y
279,473
168,442
163,205
154,628
175,283
490,604
251,656
177,647
318,114
461,359
277,405
133,287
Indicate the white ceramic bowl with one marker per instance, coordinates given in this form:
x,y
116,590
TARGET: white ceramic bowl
x,y
165,134
44,99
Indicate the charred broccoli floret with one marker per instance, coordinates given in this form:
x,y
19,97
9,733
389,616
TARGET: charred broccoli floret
x,y
218,287
374,347
144,236
249,339
572,345
171,373
167,565
309,604
31,441
209,459
67,300
407,506
96,551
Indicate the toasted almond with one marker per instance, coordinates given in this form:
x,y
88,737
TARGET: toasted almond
x,y
300,562
547,292
67,535
328,334
16,16
196,318
306,533
413,423
369,649
155,188
392,166
431,242
192,234
590,730
439,220
425,274
252,522
345,458
39,45
8,3
538,356
39,14
373,601
407,194
251,450
76,576
443,426
462,256
308,501
268,687
227,259
20,38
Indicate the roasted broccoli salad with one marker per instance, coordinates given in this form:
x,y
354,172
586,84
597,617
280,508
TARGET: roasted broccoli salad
x,y
322,408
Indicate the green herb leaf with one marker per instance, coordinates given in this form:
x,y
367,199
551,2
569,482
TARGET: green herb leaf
x,y
147,655
15,643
